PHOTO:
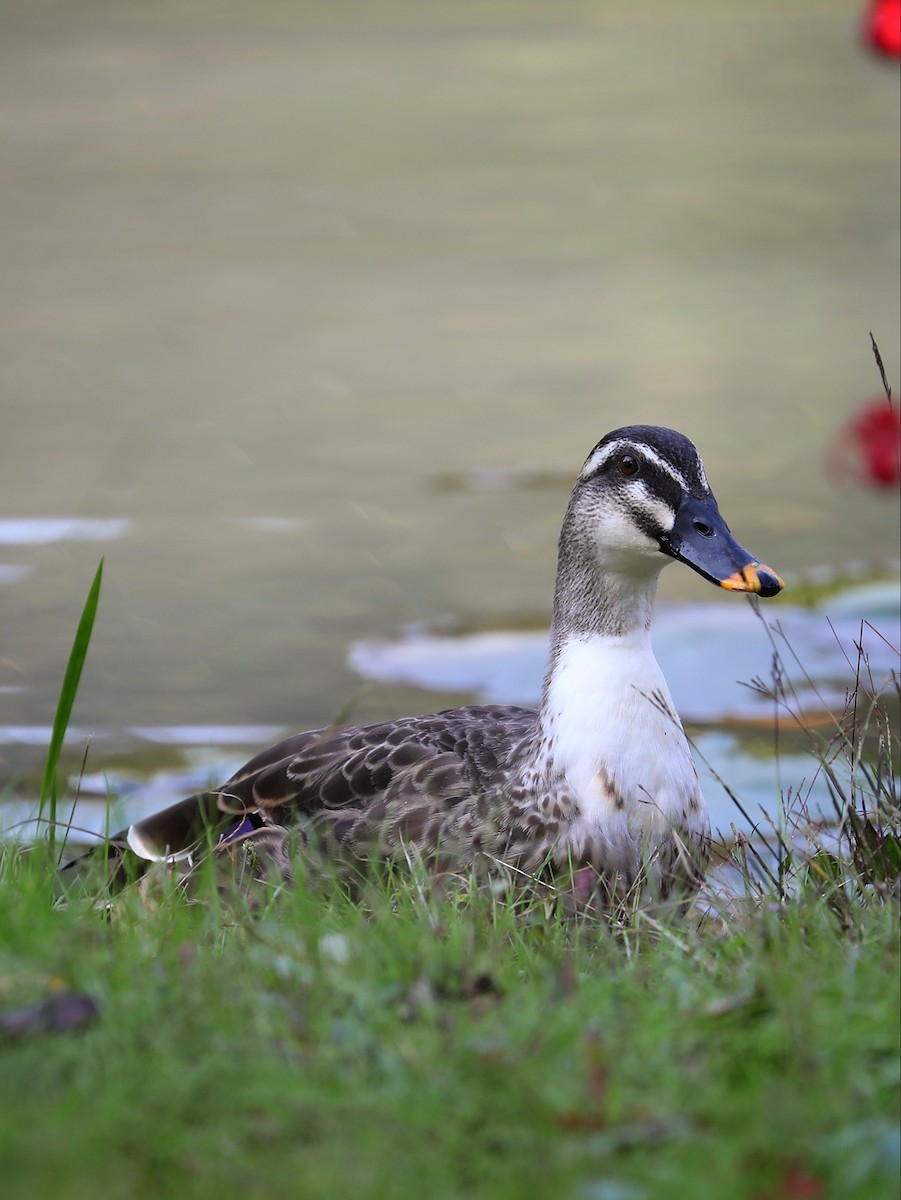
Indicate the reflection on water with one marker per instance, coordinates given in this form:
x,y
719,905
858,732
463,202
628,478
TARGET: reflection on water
x,y
207,735
709,656
40,531
110,801
760,784
14,572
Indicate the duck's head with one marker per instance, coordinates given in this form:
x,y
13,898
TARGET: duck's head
x,y
643,493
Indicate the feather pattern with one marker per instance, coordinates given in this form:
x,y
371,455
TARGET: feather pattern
x,y
599,777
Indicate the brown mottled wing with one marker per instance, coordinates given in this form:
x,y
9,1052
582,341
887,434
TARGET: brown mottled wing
x,y
429,783
432,784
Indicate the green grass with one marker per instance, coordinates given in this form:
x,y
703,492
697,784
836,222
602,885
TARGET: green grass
x,y
421,1044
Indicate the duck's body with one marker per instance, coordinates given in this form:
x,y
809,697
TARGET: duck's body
x,y
599,776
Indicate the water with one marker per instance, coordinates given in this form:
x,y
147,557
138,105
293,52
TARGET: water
x,y
273,278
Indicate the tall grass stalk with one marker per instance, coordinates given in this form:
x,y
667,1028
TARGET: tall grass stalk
x,y
855,851
68,691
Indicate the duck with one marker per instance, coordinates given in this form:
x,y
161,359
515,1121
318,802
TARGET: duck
x,y
598,781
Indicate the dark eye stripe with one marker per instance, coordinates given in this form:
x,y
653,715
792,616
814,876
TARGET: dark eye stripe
x,y
659,482
647,523
671,452
651,481
662,485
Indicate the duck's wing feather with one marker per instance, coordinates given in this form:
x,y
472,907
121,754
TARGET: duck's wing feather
x,y
422,782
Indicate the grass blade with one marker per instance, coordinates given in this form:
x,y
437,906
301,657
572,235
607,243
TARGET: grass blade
x,y
69,688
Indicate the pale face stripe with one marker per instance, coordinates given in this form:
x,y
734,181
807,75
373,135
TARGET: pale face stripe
x,y
656,510
601,455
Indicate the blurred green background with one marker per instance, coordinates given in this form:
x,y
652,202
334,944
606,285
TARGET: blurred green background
x,y
273,272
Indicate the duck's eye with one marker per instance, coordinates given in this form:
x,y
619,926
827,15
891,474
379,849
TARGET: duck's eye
x,y
628,466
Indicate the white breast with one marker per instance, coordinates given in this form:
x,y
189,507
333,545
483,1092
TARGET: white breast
x,y
612,732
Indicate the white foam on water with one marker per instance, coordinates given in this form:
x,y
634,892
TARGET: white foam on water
x,y
42,531
271,524
39,735
207,735
14,572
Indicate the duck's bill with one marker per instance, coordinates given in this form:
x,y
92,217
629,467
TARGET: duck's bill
x,y
701,539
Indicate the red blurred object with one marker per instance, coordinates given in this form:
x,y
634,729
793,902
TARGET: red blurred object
x,y
795,1183
882,27
868,448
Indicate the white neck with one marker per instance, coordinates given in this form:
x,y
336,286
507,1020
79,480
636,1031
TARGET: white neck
x,y
608,739
609,732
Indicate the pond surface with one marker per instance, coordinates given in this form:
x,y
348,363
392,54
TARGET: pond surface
x,y
312,312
